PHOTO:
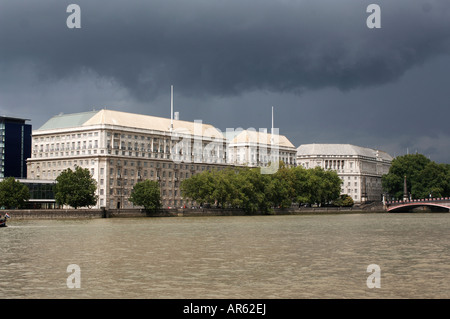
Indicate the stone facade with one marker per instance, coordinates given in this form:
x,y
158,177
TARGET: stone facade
x,y
259,149
359,168
121,149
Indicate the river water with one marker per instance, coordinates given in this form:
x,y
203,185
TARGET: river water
x,y
302,256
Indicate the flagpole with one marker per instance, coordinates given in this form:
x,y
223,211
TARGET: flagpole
x,y
171,108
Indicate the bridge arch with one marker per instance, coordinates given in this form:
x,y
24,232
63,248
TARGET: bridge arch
x,y
411,205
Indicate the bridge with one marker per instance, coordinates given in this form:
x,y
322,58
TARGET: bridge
x,y
427,204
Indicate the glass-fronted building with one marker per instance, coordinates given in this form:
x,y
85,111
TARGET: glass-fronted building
x,y
42,193
15,146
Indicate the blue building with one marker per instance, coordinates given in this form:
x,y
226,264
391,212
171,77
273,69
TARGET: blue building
x,y
15,146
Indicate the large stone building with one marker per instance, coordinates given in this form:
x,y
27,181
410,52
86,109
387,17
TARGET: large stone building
x,y
360,168
120,149
259,148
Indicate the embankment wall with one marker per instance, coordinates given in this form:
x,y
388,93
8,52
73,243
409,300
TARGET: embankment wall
x,y
133,213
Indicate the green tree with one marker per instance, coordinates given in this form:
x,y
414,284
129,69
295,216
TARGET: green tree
x,y
147,194
198,187
13,194
434,179
75,188
279,189
407,165
224,189
252,191
423,177
322,186
344,201
252,185
300,188
232,179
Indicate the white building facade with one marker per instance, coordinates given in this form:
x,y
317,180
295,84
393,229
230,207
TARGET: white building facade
x,y
359,168
120,149
259,149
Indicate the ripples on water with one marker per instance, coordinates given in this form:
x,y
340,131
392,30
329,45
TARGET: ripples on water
x,y
305,256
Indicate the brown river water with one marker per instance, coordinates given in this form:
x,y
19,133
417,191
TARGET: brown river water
x,y
295,257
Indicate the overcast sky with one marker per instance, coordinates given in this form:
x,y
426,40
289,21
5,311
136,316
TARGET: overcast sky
x,y
330,78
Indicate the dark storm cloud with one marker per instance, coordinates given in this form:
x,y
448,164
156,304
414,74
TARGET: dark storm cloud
x,y
225,47
332,79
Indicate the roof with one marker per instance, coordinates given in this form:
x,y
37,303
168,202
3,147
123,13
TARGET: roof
x,y
250,136
130,120
340,150
4,118
67,120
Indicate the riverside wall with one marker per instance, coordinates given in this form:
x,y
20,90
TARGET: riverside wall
x,y
134,213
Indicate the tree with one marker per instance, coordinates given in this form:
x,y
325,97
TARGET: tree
x,y
198,187
147,194
344,201
281,187
13,194
252,191
251,185
434,181
407,165
300,189
322,186
75,188
423,177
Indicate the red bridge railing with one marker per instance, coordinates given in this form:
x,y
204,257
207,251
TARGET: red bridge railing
x,y
424,200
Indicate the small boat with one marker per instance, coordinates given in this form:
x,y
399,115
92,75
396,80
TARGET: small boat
x,y
3,220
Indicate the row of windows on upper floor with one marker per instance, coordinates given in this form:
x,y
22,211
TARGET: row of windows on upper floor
x,y
121,166
64,137
208,157
39,142
330,164
120,176
110,136
51,147
80,145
